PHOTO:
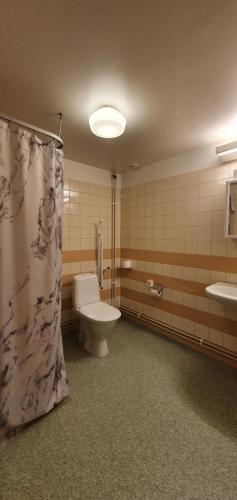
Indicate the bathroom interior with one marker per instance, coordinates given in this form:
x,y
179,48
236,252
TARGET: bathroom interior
x,y
118,250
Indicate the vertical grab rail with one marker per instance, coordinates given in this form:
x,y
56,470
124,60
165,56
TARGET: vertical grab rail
x,y
113,256
100,252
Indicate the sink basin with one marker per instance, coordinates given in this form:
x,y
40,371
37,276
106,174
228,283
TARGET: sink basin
x,y
223,292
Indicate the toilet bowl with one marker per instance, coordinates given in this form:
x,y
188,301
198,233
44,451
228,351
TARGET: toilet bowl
x,y
97,318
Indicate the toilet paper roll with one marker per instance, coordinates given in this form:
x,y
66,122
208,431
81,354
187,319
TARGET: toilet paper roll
x,y
126,264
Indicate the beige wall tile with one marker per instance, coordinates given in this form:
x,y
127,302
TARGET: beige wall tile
x,y
216,337
230,342
205,219
181,214
74,185
206,189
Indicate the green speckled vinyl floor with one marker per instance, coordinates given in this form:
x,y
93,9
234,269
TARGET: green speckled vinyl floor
x,y
152,421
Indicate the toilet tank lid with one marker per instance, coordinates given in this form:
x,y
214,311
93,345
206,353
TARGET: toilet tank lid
x,y
85,276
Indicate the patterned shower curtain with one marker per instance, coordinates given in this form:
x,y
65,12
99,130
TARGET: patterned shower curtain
x,y
32,372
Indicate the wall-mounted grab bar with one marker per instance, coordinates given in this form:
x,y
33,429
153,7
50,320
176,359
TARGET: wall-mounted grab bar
x,y
100,251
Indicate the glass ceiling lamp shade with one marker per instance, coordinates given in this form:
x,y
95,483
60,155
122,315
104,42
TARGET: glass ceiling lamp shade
x,y
107,122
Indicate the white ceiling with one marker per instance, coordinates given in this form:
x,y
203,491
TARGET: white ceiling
x,y
169,66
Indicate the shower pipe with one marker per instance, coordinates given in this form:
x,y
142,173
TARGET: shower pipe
x,y
28,126
113,249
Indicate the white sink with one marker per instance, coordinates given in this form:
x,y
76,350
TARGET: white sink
x,y
224,292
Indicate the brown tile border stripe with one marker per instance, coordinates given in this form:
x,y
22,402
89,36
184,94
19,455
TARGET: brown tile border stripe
x,y
67,278
210,262
85,255
178,284
78,255
105,295
225,325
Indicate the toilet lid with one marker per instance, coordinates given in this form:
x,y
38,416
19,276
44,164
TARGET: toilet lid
x,y
100,311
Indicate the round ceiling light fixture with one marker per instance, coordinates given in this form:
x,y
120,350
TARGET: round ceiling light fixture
x,y
107,122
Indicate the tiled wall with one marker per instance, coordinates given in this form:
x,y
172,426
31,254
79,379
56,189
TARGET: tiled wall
x,y
84,205
173,230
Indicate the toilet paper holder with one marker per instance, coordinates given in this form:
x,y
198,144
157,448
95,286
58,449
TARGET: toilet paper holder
x,y
154,288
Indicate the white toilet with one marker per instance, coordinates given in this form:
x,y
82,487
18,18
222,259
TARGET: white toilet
x,y
96,317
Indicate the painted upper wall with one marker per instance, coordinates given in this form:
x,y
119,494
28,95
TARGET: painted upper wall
x,y
175,165
180,164
87,173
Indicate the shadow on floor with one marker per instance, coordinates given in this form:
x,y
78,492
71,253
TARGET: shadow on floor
x,y
206,385
211,390
73,350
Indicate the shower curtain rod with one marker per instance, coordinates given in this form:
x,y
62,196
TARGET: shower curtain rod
x,y
37,129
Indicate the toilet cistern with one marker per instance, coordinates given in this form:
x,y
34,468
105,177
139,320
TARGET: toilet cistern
x,y
97,318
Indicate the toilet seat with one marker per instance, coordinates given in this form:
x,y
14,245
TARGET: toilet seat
x,y
100,312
